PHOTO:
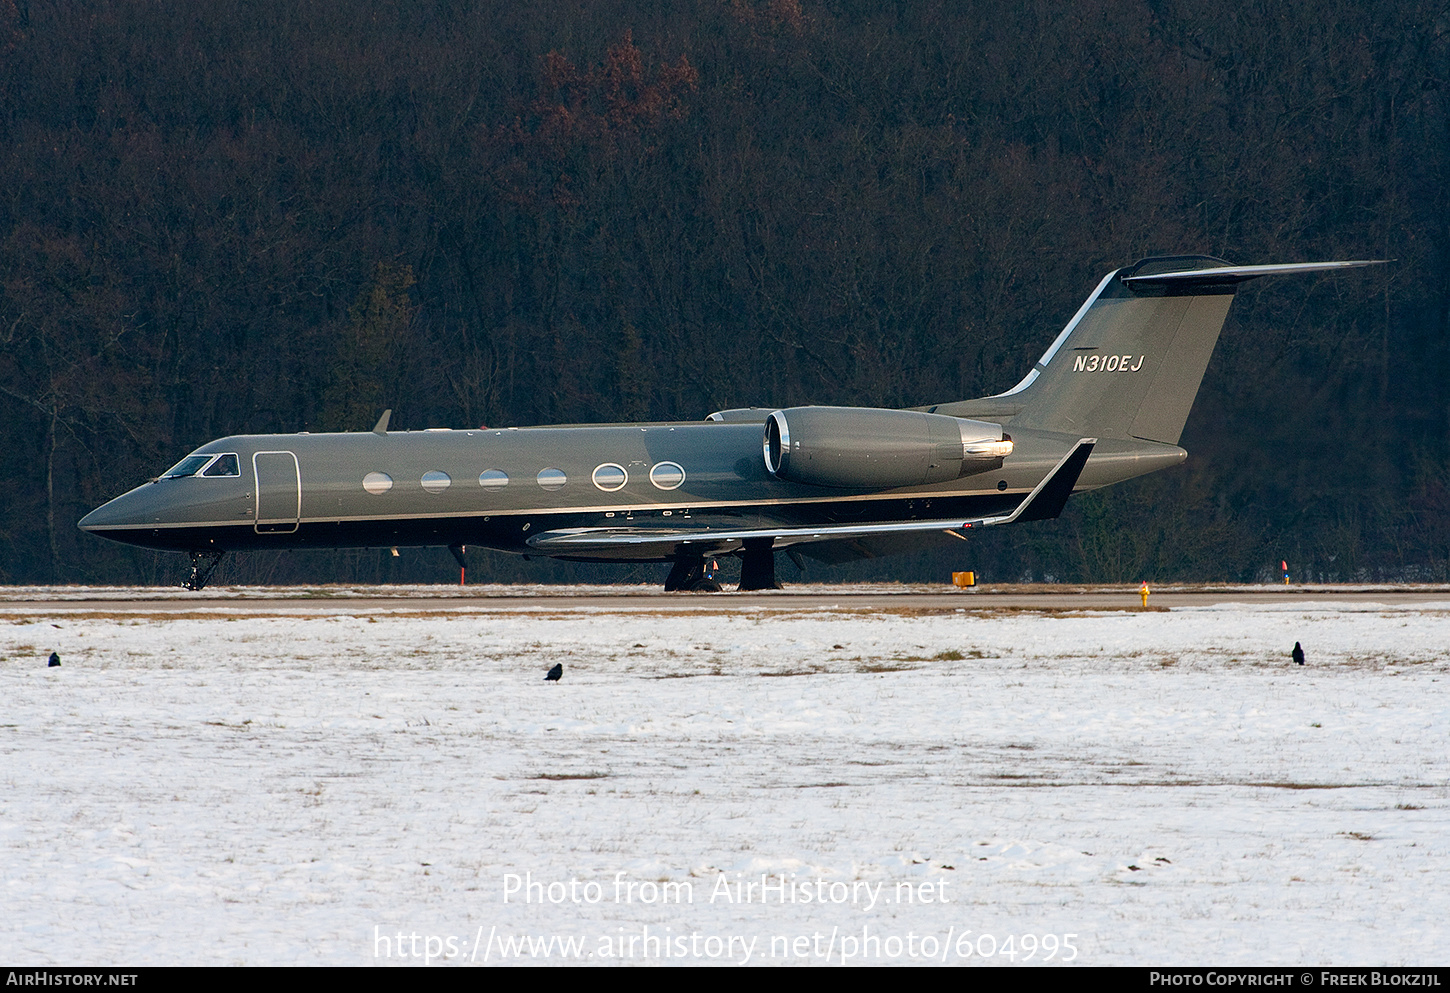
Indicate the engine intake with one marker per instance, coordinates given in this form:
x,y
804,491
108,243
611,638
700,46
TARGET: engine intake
x,y
874,448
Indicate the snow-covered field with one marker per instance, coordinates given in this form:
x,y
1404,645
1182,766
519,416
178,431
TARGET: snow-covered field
x,y
760,782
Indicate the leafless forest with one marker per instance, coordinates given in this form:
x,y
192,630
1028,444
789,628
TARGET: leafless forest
x,y
277,215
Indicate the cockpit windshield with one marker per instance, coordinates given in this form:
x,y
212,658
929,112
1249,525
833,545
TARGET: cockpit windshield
x,y
186,467
225,465
216,465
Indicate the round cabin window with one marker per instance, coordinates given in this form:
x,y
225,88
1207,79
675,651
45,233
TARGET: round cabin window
x,y
667,475
553,479
610,477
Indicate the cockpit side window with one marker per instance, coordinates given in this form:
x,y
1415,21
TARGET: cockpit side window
x,y
188,466
225,465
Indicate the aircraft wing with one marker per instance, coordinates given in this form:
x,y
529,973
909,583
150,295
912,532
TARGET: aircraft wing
x,y
1044,502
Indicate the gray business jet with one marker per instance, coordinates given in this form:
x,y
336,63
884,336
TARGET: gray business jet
x,y
1105,403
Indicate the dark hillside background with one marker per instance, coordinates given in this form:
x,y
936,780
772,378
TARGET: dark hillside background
x,y
280,215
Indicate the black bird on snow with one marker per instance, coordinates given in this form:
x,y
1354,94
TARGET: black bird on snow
x,y
54,659
1297,654
556,673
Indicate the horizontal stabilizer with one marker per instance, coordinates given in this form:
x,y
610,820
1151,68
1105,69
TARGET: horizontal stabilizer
x,y
1224,275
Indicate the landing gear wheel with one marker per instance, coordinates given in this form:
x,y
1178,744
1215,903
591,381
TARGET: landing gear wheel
x,y
757,565
705,586
203,564
685,573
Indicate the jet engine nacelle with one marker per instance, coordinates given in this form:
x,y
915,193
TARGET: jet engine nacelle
x,y
872,448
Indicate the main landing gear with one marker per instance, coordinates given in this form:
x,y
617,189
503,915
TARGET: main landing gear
x,y
757,570
688,575
203,564
757,565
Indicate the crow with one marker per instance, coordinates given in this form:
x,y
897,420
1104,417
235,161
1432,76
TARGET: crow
x,y
556,673
54,659
1297,654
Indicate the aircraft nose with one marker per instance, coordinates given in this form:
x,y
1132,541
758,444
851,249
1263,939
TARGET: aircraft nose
x,y
177,514
129,510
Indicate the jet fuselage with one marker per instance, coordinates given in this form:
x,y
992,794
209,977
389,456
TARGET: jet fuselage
x,y
497,487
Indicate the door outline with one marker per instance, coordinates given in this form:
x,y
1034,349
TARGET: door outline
x,y
277,525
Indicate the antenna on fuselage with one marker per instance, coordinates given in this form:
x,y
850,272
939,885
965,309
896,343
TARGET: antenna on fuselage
x,y
382,426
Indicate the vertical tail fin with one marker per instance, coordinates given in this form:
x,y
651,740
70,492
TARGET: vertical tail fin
x,y
1129,363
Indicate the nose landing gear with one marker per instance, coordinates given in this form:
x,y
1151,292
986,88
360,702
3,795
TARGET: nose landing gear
x,y
203,564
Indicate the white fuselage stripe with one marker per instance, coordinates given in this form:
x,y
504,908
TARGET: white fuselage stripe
x,y
650,510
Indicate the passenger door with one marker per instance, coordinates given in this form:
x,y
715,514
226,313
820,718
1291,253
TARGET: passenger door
x,y
279,492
